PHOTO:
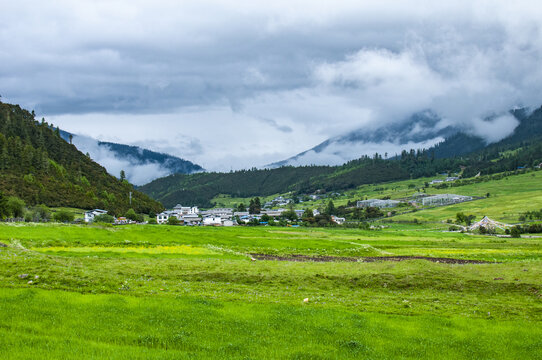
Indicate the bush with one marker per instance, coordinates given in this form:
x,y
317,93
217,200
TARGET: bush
x,y
131,215
172,220
152,221
41,213
104,218
515,232
15,207
63,216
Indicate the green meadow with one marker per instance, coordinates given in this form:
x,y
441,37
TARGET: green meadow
x,y
139,292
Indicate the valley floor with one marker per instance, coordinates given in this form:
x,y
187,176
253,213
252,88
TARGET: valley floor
x,y
139,292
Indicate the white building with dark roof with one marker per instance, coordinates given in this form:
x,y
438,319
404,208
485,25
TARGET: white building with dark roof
x,y
90,215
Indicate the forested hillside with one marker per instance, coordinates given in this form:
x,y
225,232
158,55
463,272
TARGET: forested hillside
x,y
38,166
522,148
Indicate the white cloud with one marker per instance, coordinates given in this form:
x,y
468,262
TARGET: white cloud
x,y
137,174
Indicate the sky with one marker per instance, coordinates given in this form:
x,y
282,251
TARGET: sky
x,y
240,84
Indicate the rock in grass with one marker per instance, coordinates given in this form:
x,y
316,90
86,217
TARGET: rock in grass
x,y
23,276
306,300
30,282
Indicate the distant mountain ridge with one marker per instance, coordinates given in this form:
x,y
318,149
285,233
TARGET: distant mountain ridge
x,y
144,156
423,128
140,165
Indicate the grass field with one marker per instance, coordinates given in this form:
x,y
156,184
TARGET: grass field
x,y
182,292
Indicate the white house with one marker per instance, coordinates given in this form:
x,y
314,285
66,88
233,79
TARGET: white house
x,y
185,210
272,213
212,221
219,212
227,222
338,220
163,217
89,215
240,213
191,219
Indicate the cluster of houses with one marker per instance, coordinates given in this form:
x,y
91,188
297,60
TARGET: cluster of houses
x,y
187,215
448,179
219,216
278,201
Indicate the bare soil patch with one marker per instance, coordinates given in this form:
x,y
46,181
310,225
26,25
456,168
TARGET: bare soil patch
x,y
305,258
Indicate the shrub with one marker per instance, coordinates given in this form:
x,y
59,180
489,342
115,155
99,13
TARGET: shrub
x,y
41,213
131,215
172,220
515,232
63,216
104,218
15,207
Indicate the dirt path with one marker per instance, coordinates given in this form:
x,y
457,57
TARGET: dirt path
x,y
304,258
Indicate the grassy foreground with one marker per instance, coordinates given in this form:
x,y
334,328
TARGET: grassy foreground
x,y
175,292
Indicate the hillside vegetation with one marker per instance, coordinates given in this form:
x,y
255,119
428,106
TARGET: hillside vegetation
x,y
38,166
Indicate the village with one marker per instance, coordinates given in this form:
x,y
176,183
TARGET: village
x,y
280,210
224,216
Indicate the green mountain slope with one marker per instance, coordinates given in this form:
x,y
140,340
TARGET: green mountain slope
x,y
38,166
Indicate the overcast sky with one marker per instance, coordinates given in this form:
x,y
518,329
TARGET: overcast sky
x,y
234,84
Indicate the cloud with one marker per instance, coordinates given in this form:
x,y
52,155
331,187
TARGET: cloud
x,y
252,83
493,130
136,172
273,123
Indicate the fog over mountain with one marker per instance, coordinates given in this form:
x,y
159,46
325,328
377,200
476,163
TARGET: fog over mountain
x,y
420,131
141,166
233,85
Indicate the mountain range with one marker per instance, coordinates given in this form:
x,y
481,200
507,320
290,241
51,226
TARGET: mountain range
x,y
459,152
140,165
423,130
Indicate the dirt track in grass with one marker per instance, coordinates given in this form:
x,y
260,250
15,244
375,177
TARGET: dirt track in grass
x,y
305,258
